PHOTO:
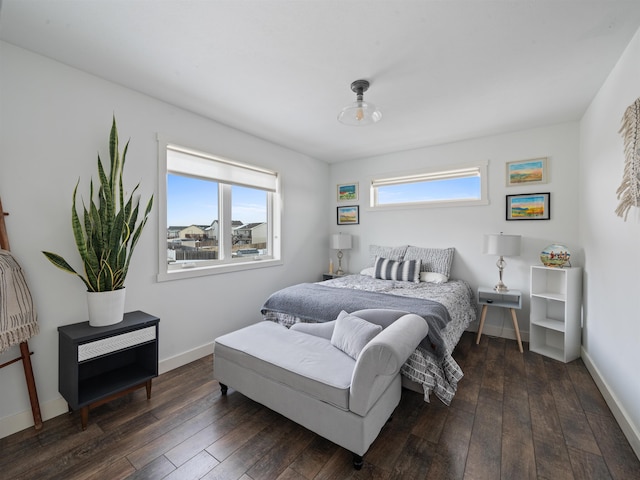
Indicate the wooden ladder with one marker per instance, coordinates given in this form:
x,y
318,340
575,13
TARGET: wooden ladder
x,y
25,354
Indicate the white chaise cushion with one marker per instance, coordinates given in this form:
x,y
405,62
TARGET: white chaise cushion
x,y
351,334
306,363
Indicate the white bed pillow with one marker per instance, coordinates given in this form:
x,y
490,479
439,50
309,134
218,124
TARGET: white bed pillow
x,y
351,334
369,271
433,277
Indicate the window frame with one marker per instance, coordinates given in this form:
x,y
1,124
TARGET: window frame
x,y
228,263
433,173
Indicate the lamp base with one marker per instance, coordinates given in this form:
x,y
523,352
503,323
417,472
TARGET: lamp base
x,y
339,271
500,286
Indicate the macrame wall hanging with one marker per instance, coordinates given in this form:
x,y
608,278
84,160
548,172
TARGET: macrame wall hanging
x,y
629,190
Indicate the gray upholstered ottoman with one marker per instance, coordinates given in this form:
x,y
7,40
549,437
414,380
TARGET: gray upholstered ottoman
x,y
305,377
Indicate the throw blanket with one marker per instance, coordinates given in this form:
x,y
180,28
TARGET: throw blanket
x,y
319,303
18,320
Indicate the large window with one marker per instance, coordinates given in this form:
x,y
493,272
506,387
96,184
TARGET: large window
x,y
219,215
461,185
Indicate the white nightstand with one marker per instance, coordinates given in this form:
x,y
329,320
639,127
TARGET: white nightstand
x,y
511,299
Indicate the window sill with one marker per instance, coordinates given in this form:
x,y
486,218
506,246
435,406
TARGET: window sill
x,y
433,204
182,273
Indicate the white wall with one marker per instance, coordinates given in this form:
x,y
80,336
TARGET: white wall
x,y
54,120
463,227
611,335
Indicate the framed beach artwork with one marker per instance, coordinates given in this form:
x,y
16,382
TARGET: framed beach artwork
x,y
527,172
348,192
529,206
349,215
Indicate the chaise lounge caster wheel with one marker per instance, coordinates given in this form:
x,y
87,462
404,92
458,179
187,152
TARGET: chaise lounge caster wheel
x,y
357,461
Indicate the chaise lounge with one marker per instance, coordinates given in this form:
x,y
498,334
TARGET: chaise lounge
x,y
339,379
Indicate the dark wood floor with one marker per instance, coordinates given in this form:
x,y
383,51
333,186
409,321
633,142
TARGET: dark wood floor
x,y
515,416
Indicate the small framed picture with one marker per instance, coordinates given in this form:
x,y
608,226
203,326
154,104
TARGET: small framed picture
x,y
527,172
349,215
348,192
529,206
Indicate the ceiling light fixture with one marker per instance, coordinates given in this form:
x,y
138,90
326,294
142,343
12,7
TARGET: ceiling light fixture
x,y
360,112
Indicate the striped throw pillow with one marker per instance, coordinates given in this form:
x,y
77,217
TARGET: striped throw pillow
x,y
407,271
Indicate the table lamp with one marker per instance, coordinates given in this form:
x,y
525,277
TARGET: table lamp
x,y
503,246
340,241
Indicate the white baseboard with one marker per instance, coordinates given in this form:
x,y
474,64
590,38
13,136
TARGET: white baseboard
x,y
189,356
58,406
15,423
620,414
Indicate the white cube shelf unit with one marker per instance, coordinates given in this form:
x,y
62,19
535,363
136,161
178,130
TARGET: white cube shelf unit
x,y
555,328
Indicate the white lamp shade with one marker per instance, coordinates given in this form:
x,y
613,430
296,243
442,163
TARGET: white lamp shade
x,y
341,241
502,245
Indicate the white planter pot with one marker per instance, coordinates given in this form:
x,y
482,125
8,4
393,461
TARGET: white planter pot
x,y
105,308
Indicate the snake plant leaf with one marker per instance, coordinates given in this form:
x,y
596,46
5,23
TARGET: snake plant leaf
x,y
62,264
138,231
124,157
107,207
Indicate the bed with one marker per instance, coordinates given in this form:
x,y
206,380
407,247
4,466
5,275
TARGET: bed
x,y
414,279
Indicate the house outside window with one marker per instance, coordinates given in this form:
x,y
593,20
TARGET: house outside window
x,y
219,215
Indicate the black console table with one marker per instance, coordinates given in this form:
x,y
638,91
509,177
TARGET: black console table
x,y
99,364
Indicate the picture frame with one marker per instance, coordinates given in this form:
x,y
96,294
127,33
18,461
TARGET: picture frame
x,y
529,206
527,172
348,192
348,215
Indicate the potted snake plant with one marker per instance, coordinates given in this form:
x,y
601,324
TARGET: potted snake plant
x,y
106,233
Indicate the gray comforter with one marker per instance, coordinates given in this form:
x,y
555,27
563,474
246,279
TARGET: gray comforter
x,y
318,303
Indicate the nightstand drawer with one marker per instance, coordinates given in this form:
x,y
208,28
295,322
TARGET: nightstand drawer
x,y
107,345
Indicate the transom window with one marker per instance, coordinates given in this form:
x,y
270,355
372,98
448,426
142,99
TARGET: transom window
x,y
219,215
454,186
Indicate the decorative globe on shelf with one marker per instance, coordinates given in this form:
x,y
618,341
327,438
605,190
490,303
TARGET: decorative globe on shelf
x,y
555,255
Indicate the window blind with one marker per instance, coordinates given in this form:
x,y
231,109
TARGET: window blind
x,y
196,164
426,177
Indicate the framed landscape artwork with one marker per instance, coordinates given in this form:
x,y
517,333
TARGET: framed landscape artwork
x,y
527,172
348,192
349,215
529,206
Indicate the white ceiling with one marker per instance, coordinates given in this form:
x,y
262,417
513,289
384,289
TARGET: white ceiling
x,y
440,71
